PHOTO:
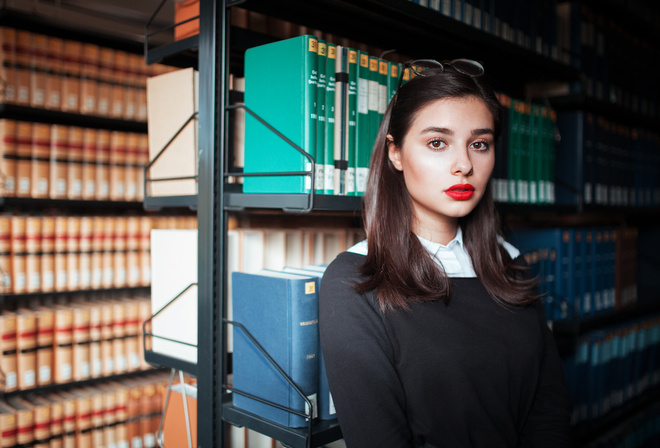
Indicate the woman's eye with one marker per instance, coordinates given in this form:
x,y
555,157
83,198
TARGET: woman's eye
x,y
480,146
437,144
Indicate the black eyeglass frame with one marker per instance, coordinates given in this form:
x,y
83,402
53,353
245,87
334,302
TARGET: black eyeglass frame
x,y
412,65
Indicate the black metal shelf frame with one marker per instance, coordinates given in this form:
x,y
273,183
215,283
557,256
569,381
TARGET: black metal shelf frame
x,y
159,359
158,202
420,30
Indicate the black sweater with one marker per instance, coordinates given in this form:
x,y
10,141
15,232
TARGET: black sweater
x,y
470,374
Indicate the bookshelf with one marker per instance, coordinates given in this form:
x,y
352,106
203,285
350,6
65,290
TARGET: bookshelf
x,y
128,375
420,32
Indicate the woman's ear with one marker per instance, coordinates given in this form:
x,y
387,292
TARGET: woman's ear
x,y
394,153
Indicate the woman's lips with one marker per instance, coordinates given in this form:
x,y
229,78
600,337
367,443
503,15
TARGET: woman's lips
x,y
460,192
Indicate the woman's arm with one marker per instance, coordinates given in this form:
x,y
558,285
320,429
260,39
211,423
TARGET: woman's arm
x,y
359,361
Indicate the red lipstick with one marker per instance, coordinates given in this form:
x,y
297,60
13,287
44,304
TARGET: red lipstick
x,y
460,192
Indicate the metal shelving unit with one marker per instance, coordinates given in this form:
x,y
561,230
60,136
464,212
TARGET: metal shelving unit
x,y
421,31
216,199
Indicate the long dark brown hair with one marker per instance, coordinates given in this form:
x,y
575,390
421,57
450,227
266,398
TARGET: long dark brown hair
x,y
397,266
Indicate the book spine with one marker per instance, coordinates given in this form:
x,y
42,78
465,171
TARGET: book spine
x,y
63,348
7,154
81,344
577,272
394,70
45,322
536,193
514,152
351,129
8,356
23,158
329,142
22,70
588,272
311,78
321,125
365,109
500,173
525,150
304,337
341,97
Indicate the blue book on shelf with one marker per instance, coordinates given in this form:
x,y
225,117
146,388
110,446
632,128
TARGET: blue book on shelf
x,y
581,410
616,374
325,404
630,342
591,273
280,310
609,261
576,268
559,241
595,374
608,373
599,268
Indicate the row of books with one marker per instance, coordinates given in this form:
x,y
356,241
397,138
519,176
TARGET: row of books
x,y
329,101
531,25
92,233
122,413
582,271
174,259
606,162
640,430
66,75
525,153
74,341
41,160
70,253
610,57
31,273
612,366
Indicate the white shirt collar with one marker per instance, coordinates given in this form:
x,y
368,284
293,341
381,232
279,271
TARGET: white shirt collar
x,y
452,257
434,248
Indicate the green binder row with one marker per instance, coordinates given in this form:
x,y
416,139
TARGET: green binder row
x,y
328,100
525,153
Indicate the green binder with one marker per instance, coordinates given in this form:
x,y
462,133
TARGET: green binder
x,y
321,117
329,142
280,87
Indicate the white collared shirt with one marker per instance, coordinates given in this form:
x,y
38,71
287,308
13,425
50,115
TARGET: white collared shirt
x,y
452,257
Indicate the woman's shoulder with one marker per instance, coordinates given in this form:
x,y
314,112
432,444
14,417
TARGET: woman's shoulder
x,y
346,265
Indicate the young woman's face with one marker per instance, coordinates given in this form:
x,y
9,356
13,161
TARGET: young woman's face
x,y
446,158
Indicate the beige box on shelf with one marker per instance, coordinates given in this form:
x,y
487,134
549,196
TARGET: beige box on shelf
x,y
172,98
173,269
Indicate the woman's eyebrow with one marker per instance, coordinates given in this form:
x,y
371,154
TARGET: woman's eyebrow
x,y
439,130
483,131
433,129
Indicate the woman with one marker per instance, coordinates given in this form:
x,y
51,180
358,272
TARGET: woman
x,y
431,329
